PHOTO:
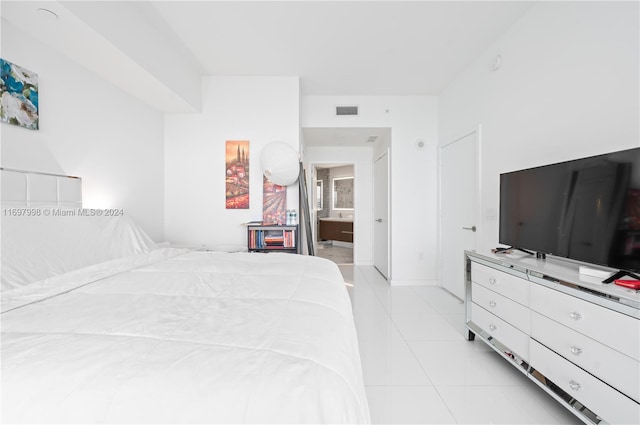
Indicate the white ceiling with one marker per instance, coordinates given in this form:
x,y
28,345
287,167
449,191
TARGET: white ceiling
x,y
335,47
342,47
162,48
357,137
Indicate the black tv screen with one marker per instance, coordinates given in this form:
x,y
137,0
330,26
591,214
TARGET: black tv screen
x,y
586,210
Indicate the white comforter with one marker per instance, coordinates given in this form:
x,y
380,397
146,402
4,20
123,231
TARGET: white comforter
x,y
175,337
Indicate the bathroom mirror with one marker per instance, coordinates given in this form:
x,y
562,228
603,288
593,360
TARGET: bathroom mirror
x,y
343,193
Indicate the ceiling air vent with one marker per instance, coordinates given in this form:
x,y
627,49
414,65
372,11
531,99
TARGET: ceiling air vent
x,y
347,110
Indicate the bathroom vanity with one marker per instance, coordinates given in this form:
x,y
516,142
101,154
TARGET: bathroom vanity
x,y
336,229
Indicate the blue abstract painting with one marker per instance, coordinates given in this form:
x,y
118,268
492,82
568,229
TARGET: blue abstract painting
x,y
18,95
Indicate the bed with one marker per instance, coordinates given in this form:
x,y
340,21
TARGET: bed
x,y
101,325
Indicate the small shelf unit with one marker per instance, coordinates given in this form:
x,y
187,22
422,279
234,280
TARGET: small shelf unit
x,y
270,238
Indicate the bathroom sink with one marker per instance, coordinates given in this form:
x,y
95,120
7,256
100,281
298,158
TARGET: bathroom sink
x,y
336,218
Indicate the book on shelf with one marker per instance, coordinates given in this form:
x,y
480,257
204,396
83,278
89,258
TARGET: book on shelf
x,y
272,238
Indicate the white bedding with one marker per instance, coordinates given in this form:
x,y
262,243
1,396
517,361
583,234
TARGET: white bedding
x,y
171,336
37,247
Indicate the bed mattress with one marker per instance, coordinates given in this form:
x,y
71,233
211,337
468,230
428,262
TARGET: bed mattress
x,y
175,336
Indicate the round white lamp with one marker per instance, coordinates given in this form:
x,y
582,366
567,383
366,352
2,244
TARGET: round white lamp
x,y
280,163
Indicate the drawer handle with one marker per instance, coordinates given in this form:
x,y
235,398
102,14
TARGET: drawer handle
x,y
575,315
575,386
576,351
492,303
493,327
492,280
346,231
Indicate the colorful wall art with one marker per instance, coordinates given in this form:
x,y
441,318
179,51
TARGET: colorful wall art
x,y
18,95
237,160
274,202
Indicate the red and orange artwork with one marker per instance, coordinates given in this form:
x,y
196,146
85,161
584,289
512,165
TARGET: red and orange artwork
x,y
274,202
237,174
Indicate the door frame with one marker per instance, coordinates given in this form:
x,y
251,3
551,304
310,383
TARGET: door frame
x,y
478,188
327,164
386,153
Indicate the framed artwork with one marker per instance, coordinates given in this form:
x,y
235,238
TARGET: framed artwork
x,y
237,174
274,202
18,95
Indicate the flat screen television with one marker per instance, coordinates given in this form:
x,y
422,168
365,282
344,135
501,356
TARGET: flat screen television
x,y
586,209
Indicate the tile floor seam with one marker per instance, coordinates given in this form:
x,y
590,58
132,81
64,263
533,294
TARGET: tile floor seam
x,y
429,378
416,358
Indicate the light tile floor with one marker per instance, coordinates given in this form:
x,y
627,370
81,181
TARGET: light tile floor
x,y
418,368
337,254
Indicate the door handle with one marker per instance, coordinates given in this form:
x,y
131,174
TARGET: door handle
x,y
379,220
472,228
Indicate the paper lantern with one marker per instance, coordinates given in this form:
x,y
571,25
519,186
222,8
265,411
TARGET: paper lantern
x,y
280,163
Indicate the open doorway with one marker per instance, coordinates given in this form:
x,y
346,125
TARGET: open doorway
x,y
332,147
334,207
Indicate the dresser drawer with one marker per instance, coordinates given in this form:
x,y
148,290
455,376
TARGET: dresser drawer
x,y
508,285
508,335
611,366
603,400
506,309
609,327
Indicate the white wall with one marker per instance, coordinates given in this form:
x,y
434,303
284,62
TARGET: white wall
x,y
88,128
413,173
362,160
567,88
258,109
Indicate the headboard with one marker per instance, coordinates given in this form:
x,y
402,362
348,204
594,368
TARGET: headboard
x,y
21,188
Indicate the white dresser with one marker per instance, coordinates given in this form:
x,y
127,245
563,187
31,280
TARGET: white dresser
x,y
576,338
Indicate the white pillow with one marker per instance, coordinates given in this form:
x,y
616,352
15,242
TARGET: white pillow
x,y
38,247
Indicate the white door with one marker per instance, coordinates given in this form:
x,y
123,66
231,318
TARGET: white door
x,y
458,197
381,214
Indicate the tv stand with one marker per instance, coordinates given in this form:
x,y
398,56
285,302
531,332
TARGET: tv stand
x,y
620,274
576,339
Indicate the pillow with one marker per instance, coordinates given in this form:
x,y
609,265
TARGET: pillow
x,y
38,247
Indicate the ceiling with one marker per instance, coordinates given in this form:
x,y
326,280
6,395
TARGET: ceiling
x,y
337,48
355,137
342,47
